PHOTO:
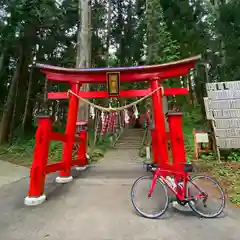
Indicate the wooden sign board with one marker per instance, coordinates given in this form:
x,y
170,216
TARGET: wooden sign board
x,y
113,84
201,137
222,106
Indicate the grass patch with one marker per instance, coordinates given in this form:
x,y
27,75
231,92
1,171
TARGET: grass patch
x,y
226,173
20,152
103,144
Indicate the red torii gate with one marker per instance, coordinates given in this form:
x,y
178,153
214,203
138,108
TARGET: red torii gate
x,y
75,78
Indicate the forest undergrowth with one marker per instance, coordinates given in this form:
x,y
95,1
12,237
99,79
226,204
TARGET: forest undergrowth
x,y
227,172
20,150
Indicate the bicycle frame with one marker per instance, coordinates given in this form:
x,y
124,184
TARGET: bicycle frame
x,y
182,195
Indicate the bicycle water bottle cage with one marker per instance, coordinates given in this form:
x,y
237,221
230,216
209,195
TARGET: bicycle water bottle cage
x,y
188,167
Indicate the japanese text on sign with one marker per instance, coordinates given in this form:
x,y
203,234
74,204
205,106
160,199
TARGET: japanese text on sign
x,y
222,105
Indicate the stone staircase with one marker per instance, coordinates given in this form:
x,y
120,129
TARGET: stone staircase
x,y
130,139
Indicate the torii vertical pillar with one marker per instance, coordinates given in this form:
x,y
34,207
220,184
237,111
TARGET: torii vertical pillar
x,y
159,122
177,141
65,174
36,194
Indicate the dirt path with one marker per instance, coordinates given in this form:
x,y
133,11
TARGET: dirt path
x,y
97,206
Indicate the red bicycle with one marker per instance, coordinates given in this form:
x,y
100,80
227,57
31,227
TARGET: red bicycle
x,y
187,190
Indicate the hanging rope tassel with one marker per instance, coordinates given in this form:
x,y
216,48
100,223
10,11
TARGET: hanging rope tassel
x,y
102,116
136,113
126,116
104,124
110,118
92,112
115,121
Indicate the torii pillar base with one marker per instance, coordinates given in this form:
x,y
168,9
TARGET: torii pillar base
x,y
63,180
35,201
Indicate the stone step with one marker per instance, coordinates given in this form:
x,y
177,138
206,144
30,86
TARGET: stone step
x,y
128,144
127,147
133,132
130,140
132,137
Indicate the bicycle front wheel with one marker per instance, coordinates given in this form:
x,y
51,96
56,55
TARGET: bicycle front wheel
x,y
149,207
212,204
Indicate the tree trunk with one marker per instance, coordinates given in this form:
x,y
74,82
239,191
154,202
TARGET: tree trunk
x,y
2,57
83,59
32,91
191,97
120,22
216,4
108,29
21,91
28,41
4,75
200,92
8,108
26,125
2,61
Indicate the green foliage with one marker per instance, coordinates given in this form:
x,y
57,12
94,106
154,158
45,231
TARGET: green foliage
x,y
21,152
103,144
228,25
184,20
161,46
234,156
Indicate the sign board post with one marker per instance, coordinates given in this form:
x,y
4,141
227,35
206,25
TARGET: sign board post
x,y
222,106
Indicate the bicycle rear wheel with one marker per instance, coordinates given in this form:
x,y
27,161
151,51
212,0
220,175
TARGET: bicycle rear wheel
x,y
149,207
213,203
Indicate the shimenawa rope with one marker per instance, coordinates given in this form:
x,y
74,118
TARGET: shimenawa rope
x,y
110,109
